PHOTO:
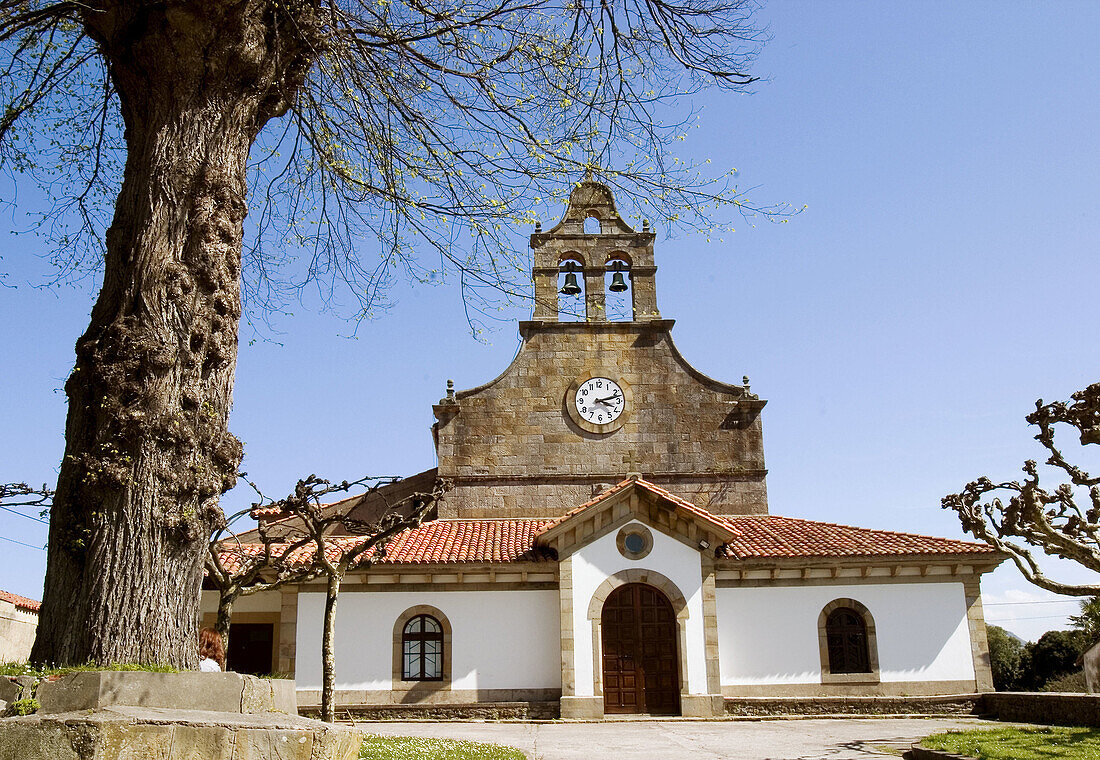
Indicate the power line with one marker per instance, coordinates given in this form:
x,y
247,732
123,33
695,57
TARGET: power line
x,y
1044,601
23,514
29,546
1037,617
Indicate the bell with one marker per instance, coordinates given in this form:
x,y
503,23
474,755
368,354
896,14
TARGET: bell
x,y
571,288
618,284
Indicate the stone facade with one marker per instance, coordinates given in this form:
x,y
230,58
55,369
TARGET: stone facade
x,y
511,447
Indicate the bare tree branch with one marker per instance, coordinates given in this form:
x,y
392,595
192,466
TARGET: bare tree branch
x,y
1063,522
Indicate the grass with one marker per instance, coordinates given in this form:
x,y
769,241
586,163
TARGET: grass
x,y
415,748
1047,743
23,669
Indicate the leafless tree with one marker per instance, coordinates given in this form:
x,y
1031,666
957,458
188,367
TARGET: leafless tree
x,y
310,542
1062,522
366,130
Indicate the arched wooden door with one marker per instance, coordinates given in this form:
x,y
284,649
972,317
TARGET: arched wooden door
x,y
641,672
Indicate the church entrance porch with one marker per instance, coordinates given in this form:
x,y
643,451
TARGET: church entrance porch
x,y
640,658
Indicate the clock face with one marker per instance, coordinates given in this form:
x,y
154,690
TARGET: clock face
x,y
600,400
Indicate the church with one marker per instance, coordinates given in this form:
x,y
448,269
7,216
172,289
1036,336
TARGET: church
x,y
606,545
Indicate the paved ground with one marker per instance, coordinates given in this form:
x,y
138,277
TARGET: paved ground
x,y
834,739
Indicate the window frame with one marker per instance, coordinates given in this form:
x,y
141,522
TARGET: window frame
x,y
871,640
420,639
400,682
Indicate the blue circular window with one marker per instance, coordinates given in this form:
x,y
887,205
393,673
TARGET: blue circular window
x,y
634,541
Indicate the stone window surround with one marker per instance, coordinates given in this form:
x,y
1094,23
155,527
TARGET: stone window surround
x,y
595,616
401,685
828,677
634,529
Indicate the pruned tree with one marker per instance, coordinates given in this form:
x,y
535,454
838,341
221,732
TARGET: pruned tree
x,y
395,126
1063,521
311,541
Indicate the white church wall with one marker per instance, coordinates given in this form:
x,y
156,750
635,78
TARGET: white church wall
x,y
769,635
499,639
596,562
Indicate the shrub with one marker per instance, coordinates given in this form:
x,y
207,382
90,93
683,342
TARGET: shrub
x,y
1073,683
23,707
1005,656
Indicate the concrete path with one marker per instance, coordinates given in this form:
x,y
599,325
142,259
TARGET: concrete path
x,y
833,739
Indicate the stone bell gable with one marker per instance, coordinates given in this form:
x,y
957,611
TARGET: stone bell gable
x,y
516,446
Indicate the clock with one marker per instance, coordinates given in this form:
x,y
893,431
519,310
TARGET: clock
x,y
598,401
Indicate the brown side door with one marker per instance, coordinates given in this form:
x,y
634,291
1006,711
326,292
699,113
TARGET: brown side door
x,y
641,671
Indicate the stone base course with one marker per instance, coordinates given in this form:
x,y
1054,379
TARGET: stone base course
x,y
959,704
443,711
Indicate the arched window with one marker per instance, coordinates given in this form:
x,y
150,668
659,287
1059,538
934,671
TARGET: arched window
x,y
847,640
422,649
849,648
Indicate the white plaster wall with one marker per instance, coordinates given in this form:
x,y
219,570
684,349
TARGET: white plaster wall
x,y
17,630
599,560
267,601
769,635
500,639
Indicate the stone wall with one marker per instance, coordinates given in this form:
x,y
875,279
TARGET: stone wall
x,y
512,450
1054,709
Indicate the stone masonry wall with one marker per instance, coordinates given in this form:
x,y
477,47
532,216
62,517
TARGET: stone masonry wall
x,y
512,450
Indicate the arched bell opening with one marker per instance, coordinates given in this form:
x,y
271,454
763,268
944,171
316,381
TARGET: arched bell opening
x,y
571,302
619,291
592,225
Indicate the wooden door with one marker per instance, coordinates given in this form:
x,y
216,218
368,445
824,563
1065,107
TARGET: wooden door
x,y
641,671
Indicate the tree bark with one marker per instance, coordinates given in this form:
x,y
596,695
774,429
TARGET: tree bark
x,y
328,651
225,616
147,447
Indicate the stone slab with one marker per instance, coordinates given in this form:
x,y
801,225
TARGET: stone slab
x,y
142,733
217,692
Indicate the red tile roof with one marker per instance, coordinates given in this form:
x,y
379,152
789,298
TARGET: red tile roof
x,y
21,602
771,536
513,540
447,541
436,542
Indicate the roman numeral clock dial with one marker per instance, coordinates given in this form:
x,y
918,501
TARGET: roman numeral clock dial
x,y
597,403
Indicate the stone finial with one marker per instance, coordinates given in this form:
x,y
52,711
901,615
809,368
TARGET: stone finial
x,y
450,397
538,226
745,381
645,225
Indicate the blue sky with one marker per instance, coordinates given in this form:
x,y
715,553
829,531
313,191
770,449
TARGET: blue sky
x,y
940,280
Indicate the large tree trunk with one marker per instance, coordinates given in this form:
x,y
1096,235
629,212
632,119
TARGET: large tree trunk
x,y
148,450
